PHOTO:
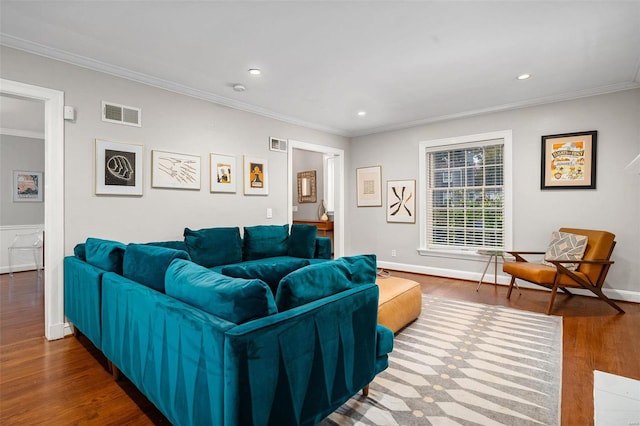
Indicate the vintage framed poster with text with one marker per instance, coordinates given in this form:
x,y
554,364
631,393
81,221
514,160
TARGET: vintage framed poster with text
x,y
569,161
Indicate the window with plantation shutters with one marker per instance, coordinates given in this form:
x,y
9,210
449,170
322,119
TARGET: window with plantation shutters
x,y
465,192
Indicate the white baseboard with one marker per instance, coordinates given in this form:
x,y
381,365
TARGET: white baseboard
x,y
612,293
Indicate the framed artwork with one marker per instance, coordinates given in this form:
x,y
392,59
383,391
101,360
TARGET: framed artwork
x,y
401,201
256,176
175,171
569,161
27,186
369,186
118,168
224,173
307,189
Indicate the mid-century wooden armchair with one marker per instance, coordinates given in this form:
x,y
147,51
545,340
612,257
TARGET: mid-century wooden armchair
x,y
590,274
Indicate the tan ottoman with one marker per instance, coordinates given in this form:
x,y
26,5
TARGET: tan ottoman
x,y
400,302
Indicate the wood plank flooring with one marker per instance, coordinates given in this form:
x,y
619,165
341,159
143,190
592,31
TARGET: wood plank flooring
x,y
66,381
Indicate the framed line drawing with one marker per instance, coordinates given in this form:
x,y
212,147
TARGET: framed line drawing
x,y
401,201
27,186
369,186
569,161
174,170
223,173
256,176
118,168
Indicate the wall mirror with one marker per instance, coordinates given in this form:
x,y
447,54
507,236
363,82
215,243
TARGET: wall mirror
x,y
307,187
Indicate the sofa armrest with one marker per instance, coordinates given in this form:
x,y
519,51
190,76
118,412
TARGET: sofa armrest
x,y
323,248
82,297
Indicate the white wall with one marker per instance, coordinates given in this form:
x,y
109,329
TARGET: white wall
x,y
305,161
613,206
171,122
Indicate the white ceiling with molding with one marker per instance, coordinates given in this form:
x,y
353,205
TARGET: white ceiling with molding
x,y
404,63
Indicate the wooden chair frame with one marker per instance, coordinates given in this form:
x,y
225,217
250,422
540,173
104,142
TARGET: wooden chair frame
x,y
580,282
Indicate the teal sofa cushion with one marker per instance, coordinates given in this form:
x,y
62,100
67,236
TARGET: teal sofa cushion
x,y
312,283
323,248
80,251
147,264
176,245
233,299
271,273
302,242
363,268
214,246
265,241
105,254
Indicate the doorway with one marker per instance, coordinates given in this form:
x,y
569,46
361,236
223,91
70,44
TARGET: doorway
x,y
338,193
54,325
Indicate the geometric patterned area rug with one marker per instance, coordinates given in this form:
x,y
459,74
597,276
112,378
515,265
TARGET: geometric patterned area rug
x,y
463,363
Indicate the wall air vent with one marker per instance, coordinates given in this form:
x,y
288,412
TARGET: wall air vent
x,y
121,114
277,144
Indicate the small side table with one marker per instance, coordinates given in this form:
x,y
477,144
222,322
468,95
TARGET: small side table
x,y
493,255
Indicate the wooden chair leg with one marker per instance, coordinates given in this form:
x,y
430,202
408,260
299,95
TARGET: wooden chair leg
x,y
554,291
365,391
602,296
513,280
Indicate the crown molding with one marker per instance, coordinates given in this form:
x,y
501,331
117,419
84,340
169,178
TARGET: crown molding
x,y
92,64
603,90
21,133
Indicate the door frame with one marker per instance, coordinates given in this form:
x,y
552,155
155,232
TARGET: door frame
x,y
338,217
54,321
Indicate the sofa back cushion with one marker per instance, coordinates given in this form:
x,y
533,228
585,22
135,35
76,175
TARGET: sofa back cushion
x,y
324,279
270,272
80,251
147,264
302,241
105,254
214,246
265,241
176,245
233,299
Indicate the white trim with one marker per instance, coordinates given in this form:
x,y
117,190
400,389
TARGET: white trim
x,y
473,277
338,217
54,205
92,64
21,133
507,137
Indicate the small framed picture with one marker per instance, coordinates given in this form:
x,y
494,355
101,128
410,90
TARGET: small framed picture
x,y
175,171
118,168
256,176
224,173
27,186
401,201
569,161
369,186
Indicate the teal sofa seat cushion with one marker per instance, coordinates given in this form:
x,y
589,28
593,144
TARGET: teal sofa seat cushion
x,y
384,342
214,246
312,283
269,272
147,264
265,241
105,254
302,241
363,268
236,300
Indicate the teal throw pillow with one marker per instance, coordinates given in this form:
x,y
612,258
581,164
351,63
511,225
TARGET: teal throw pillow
x,y
80,251
270,273
302,242
265,241
105,254
363,268
214,246
233,299
147,264
312,283
176,245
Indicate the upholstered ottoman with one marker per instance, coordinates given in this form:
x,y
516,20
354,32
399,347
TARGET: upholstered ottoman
x,y
400,302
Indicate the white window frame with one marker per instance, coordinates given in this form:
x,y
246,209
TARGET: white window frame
x,y
449,143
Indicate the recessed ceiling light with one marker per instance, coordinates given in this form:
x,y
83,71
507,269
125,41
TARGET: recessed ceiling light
x,y
239,88
255,71
362,113
524,76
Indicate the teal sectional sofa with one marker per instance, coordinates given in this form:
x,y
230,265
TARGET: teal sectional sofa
x,y
214,349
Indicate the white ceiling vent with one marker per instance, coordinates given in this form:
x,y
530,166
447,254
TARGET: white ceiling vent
x,y
276,144
121,114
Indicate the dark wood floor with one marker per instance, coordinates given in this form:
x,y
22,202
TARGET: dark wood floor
x,y
65,381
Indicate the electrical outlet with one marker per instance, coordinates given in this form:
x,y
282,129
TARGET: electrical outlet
x,y
393,252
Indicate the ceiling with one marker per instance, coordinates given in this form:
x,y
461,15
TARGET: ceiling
x,y
404,63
